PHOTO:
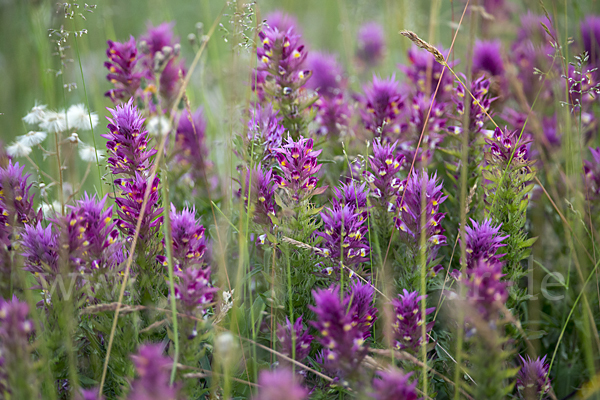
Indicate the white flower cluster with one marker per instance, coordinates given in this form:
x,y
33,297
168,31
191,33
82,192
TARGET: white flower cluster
x,y
48,121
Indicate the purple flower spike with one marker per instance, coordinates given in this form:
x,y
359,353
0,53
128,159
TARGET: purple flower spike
x,y
532,379
487,58
15,200
327,75
127,141
480,106
40,249
371,44
189,243
103,250
262,193
385,164
483,241
486,289
121,65
333,115
342,339
130,206
351,194
157,37
191,140
265,128
285,335
362,295
299,165
408,221
432,135
194,291
417,73
408,323
590,33
382,106
279,384
503,144
15,328
394,385
153,369
282,21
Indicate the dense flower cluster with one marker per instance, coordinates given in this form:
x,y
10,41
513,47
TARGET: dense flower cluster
x,y
15,327
190,141
385,163
343,341
345,236
487,61
393,385
408,321
361,299
532,379
193,291
153,370
265,129
507,147
294,339
15,199
298,165
121,66
129,206
480,110
279,384
381,107
483,242
410,211
436,123
262,186
370,44
40,249
485,289
188,241
425,73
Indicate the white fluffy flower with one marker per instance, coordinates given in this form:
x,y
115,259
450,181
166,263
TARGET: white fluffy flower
x,y
18,149
36,115
51,209
32,138
78,117
88,153
158,126
54,122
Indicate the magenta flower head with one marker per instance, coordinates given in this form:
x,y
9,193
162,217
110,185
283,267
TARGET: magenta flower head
x,y
479,108
72,238
298,165
485,289
127,140
327,74
343,343
130,206
381,107
103,249
362,299
483,242
436,124
385,164
408,323
371,44
39,247
590,33
15,328
282,21
122,60
189,242
280,384
394,385
532,379
592,174
191,140
487,58
158,37
505,148
351,194
408,221
417,73
333,115
294,338
153,370
265,129
262,192
193,290
15,199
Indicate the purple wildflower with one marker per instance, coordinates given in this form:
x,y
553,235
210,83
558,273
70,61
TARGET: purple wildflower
x,y
408,221
262,193
90,394
14,195
282,21
130,206
420,63
487,58
121,65
72,238
365,314
590,33
279,384
371,44
486,289
483,241
394,385
153,371
15,328
342,340
532,379
480,107
190,139
299,165
40,249
382,105
333,115
327,75
296,336
127,141
592,174
265,128
503,144
385,163
103,248
189,243
408,323
436,123
193,290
